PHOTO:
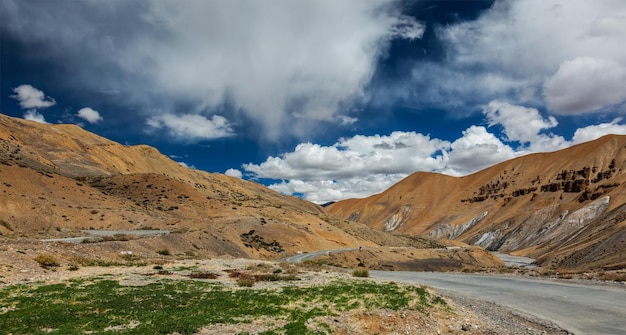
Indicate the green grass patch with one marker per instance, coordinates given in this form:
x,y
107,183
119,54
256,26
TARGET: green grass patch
x,y
102,306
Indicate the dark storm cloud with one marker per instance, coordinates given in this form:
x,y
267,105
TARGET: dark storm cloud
x,y
286,66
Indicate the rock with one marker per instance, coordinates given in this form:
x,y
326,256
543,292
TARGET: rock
x,y
463,328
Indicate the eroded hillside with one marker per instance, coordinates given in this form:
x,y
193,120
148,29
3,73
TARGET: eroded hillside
x,y
58,181
564,208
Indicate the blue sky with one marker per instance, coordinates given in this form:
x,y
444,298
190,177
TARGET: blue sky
x,y
324,99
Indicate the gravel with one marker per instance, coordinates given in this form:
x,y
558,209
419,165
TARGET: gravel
x,y
503,320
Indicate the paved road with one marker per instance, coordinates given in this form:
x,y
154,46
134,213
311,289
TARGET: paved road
x,y
580,309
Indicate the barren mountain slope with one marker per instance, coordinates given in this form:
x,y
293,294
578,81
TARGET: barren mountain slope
x,y
58,180
556,206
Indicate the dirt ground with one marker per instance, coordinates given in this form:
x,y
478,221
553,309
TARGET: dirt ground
x,y
463,316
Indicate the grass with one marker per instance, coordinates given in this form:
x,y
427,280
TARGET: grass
x,y
362,273
98,305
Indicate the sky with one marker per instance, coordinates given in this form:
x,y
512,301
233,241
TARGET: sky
x,y
321,99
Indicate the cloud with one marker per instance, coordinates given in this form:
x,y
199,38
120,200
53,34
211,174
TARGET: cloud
x,y
363,165
560,50
236,173
32,98
585,84
33,115
525,126
186,165
397,153
360,166
591,133
285,66
345,120
89,115
475,150
192,127
520,123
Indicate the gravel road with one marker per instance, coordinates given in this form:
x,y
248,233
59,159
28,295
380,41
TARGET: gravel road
x,y
580,309
92,233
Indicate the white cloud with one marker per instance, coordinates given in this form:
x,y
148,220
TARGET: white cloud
x,y
397,153
236,173
521,47
323,191
186,165
285,65
591,133
31,98
89,115
33,115
585,84
345,120
524,125
476,150
363,165
192,127
520,123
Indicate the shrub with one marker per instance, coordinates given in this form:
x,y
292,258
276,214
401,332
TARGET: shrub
x,y
6,225
203,275
47,261
164,252
361,273
246,282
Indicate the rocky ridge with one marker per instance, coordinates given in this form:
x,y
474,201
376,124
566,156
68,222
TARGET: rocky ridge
x,y
564,208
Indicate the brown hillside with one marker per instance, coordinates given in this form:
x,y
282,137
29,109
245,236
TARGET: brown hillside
x,y
564,207
57,181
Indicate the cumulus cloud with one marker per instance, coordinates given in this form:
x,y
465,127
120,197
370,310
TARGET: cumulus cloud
x,y
361,165
397,153
285,65
236,173
89,115
31,98
520,123
191,126
585,84
524,125
593,132
475,150
33,115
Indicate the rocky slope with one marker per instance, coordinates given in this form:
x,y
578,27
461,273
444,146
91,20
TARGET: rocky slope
x,y
58,180
565,208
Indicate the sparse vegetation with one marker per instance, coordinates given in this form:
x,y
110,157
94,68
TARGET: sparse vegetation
x,y
6,225
99,306
362,273
47,261
203,275
246,282
164,252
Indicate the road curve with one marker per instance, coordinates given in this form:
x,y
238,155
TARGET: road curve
x,y
578,308
299,258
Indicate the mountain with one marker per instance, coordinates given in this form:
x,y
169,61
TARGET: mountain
x,y
60,181
566,208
